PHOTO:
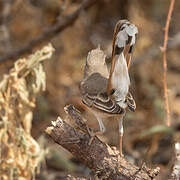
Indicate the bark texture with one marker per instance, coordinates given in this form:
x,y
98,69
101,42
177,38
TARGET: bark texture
x,y
98,156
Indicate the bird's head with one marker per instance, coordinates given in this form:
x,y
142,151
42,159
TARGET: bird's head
x,y
95,63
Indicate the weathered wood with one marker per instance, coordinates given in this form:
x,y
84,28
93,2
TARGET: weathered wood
x,y
98,156
175,175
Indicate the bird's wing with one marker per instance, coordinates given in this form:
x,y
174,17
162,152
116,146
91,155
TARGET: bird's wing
x,y
93,91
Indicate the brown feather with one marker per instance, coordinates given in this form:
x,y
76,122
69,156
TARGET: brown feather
x,y
116,30
94,95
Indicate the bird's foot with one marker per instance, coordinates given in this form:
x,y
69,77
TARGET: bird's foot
x,y
119,158
93,134
121,155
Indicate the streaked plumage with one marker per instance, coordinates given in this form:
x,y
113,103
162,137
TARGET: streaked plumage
x,y
94,95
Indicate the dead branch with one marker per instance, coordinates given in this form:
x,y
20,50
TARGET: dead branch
x,y
175,175
98,156
49,33
69,177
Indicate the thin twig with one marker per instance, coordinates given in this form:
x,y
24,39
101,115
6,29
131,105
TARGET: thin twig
x,y
154,51
166,31
49,33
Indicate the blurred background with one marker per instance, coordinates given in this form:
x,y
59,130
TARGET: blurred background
x,y
146,138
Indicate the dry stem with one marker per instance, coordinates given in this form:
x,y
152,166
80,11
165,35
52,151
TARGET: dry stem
x,y
165,62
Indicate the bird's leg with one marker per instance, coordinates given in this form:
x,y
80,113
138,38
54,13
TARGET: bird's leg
x,y
121,132
101,131
102,128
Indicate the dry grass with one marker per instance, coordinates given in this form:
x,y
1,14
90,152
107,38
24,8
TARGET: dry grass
x,y
20,154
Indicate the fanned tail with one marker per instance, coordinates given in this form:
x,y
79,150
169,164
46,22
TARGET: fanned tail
x,y
123,41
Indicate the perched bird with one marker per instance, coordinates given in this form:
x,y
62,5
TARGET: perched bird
x,y
107,94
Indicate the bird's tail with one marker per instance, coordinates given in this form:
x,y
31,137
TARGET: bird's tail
x,y
124,38
123,41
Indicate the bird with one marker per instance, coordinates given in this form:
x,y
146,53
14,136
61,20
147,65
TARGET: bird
x,y
106,94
